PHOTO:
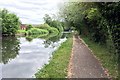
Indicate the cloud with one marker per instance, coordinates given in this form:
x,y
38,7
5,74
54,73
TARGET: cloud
x,y
31,11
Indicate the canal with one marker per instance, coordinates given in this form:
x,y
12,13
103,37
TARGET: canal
x,y
23,56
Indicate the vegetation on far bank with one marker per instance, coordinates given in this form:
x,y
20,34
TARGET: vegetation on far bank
x,y
108,60
11,25
53,23
57,67
48,28
36,31
39,31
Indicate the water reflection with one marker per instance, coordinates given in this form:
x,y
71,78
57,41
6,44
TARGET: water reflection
x,y
10,48
49,39
22,56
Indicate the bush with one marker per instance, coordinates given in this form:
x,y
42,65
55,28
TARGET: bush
x,y
34,31
48,28
29,27
57,24
21,32
53,23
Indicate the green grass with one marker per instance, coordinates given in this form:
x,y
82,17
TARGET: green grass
x,y
108,60
57,67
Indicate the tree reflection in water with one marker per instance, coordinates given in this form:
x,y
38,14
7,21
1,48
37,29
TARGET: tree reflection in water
x,y
49,39
10,48
10,45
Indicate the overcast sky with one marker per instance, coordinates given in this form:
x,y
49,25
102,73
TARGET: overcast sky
x,y
31,11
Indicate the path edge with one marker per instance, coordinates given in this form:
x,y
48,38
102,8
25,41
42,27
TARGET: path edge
x,y
69,73
105,70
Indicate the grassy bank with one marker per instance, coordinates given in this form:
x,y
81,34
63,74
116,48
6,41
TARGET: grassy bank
x,y
57,68
108,60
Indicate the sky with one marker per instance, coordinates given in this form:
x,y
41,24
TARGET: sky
x,y
31,11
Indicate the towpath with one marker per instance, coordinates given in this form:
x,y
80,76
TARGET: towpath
x,y
83,64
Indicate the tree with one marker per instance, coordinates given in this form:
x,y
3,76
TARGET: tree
x,y
53,23
29,27
111,12
98,21
10,22
47,19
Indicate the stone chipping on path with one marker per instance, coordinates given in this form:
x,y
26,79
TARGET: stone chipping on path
x,y
83,63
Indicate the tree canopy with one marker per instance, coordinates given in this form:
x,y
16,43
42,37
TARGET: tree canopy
x,y
98,21
53,22
10,22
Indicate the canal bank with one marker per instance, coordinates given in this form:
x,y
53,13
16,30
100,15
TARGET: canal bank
x,y
58,65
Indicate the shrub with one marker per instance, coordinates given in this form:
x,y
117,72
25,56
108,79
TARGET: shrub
x,y
34,31
21,31
48,28
57,24
29,27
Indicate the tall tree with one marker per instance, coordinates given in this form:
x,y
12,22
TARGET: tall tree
x,y
53,22
47,19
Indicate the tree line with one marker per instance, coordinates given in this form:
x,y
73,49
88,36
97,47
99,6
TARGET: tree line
x,y
10,23
97,21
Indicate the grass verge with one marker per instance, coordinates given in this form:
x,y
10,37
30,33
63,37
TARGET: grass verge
x,y
108,60
57,67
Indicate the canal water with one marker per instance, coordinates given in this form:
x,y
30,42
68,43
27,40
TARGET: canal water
x,y
23,56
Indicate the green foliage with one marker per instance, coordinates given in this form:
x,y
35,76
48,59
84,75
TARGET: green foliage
x,y
58,64
110,12
48,28
21,32
98,21
10,22
53,23
47,19
34,31
92,14
29,27
57,24
94,20
38,31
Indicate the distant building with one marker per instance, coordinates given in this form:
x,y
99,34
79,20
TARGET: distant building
x,y
23,27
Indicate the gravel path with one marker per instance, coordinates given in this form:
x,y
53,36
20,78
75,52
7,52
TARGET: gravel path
x,y
83,63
